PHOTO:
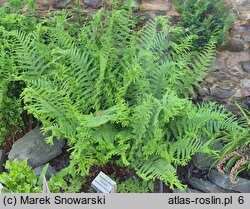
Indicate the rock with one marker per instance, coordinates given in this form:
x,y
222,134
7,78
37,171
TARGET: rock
x,y
211,79
219,75
199,160
233,59
143,16
93,3
245,92
155,5
246,38
188,190
245,83
238,93
219,64
202,161
244,17
223,180
45,2
234,45
243,3
221,93
235,71
34,147
50,171
61,4
2,159
160,13
246,66
2,2
205,186
246,103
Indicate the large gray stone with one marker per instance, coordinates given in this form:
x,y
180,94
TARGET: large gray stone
x,y
245,92
219,75
50,171
60,4
2,2
246,66
246,38
234,45
143,16
201,162
222,93
219,64
34,147
223,180
206,186
245,3
45,2
93,3
245,83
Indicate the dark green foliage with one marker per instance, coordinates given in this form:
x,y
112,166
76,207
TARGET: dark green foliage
x,y
10,87
205,19
19,5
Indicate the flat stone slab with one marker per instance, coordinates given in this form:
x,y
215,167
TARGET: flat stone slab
x,y
33,146
246,66
223,180
159,5
234,45
221,93
206,186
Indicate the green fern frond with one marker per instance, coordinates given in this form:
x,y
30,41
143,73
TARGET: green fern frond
x,y
154,36
160,169
27,52
51,107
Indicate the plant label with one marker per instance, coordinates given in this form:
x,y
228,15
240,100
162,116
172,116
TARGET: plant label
x,y
103,184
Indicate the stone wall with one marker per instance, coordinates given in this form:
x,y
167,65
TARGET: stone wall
x,y
143,8
229,78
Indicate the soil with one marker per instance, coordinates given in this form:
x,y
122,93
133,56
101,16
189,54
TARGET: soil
x,y
112,170
120,173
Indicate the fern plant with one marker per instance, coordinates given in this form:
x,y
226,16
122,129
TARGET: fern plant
x,y
205,19
135,186
118,94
